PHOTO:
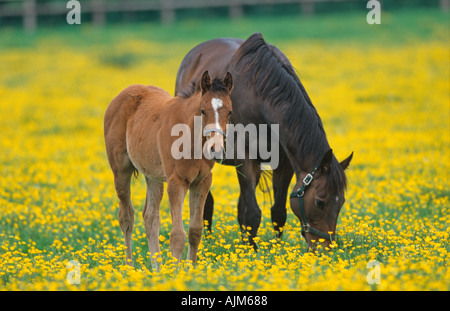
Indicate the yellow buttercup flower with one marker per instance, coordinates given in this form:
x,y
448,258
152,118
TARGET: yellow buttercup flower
x,y
59,210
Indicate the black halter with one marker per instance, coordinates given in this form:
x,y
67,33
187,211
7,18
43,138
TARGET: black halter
x,y
299,194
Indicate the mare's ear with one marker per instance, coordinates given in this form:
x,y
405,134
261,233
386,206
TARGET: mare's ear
x,y
326,160
228,81
206,82
346,162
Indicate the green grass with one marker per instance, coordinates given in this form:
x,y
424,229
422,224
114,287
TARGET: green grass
x,y
407,25
65,197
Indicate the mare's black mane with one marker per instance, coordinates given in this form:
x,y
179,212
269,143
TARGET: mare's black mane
x,y
271,76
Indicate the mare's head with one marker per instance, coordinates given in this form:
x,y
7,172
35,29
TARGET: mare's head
x,y
318,197
216,110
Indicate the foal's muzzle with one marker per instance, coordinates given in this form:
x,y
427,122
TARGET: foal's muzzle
x,y
214,148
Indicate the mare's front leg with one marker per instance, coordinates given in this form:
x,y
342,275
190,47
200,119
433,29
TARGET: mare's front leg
x,y
197,197
281,179
249,213
208,211
177,189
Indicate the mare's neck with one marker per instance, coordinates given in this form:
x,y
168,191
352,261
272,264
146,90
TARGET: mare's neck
x,y
302,137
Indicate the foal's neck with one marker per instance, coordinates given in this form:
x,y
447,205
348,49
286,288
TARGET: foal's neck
x,y
190,104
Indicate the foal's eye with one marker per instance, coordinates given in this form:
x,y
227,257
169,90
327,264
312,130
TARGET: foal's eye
x,y
230,112
202,111
320,203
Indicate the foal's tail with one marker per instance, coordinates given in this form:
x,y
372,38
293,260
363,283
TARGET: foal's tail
x,y
115,126
135,172
265,184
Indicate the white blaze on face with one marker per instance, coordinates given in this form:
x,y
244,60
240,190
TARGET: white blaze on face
x,y
216,103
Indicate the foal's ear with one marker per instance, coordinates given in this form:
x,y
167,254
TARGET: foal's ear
x,y
206,82
228,81
346,162
326,160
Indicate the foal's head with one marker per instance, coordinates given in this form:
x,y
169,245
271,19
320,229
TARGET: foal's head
x,y
216,110
318,197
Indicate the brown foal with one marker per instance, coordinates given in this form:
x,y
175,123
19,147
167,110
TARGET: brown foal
x,y
138,130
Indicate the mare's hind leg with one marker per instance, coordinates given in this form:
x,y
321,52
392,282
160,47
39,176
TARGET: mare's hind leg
x,y
155,191
122,179
280,180
249,213
197,197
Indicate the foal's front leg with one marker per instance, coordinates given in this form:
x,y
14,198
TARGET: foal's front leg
x,y
155,191
197,198
177,189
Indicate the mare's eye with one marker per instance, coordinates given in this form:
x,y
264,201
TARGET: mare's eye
x,y
202,111
320,204
230,112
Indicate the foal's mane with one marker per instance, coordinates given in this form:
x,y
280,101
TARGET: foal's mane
x,y
271,76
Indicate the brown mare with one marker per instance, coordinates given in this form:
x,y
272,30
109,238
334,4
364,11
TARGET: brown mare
x,y
138,136
268,91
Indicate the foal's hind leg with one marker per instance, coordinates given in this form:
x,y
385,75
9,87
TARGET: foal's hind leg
x,y
122,178
197,198
155,191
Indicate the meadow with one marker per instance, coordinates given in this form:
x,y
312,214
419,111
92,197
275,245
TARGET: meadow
x,y
383,93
